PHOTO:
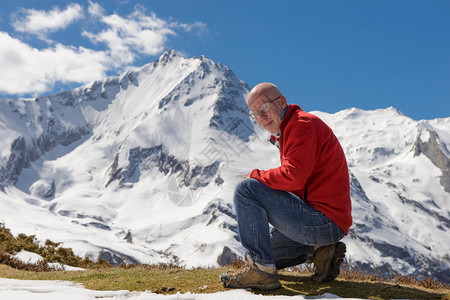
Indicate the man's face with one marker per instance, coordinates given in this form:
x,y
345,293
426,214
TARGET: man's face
x,y
270,120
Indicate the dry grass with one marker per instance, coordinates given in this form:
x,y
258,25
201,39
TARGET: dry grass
x,y
170,279
352,274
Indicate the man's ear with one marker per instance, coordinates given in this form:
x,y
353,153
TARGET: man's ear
x,y
283,101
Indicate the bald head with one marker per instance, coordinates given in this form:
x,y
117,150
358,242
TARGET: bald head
x,y
267,104
265,90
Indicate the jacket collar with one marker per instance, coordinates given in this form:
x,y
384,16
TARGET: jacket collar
x,y
291,109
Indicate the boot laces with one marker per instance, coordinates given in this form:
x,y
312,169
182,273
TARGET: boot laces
x,y
245,268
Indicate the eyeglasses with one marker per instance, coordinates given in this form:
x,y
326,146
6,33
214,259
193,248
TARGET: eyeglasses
x,y
265,108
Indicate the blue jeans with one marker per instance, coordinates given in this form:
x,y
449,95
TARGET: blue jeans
x,y
297,226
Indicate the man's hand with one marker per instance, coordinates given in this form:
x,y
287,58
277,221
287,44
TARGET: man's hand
x,y
246,176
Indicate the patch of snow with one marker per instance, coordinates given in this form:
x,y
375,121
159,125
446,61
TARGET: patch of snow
x,y
34,258
13,289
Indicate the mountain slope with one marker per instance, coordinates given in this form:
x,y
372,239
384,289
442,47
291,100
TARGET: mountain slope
x,y
142,168
400,202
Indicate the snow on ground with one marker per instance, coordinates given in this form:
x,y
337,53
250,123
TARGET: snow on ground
x,y
13,289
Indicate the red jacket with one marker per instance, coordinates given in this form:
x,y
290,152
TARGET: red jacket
x,y
313,166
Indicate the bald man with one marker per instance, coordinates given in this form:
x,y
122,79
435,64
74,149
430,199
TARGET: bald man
x,y
306,199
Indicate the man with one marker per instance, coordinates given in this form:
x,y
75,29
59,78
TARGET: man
x,y
306,199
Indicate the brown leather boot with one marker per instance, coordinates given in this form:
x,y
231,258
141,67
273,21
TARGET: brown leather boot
x,y
251,276
327,261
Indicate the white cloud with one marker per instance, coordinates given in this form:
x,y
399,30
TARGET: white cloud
x,y
137,34
41,22
199,27
25,69
95,9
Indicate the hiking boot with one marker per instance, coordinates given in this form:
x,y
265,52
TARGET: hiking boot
x,y
338,259
250,276
327,261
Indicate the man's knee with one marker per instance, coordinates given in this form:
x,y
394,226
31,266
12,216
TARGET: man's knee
x,y
245,186
244,190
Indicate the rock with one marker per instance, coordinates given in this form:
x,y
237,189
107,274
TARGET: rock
x,y
227,257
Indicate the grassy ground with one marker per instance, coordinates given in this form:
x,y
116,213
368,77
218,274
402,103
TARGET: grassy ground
x,y
168,279
172,279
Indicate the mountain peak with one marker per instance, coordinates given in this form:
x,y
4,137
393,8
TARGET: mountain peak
x,y
394,110
166,57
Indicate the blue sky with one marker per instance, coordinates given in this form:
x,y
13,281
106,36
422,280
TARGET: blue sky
x,y
323,55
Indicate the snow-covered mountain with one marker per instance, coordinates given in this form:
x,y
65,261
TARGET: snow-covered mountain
x,y
142,168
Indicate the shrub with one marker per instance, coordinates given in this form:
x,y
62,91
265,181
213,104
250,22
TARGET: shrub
x,y
51,251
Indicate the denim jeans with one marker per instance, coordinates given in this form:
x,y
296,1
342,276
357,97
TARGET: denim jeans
x,y
297,226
